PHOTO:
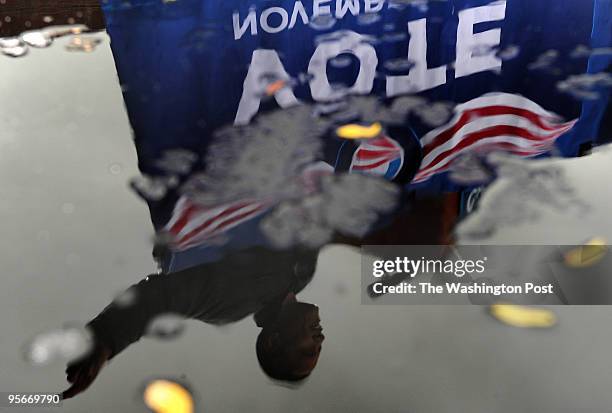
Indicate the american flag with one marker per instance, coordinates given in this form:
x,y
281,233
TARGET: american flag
x,y
492,122
380,156
192,224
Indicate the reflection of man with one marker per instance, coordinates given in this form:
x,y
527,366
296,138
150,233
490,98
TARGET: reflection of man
x,y
256,281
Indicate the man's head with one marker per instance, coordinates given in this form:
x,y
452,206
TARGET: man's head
x,y
288,347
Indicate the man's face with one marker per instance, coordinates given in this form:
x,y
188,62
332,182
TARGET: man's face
x,y
301,335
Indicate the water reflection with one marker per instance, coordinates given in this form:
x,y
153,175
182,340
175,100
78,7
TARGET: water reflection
x,y
241,210
43,38
261,141
241,235
256,281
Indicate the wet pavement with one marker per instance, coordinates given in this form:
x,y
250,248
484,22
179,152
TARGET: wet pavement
x,y
77,233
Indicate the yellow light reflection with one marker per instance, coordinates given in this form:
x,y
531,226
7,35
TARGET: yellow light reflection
x,y
354,131
164,396
588,254
524,317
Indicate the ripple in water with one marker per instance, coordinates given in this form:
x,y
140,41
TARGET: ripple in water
x,y
166,327
65,344
43,38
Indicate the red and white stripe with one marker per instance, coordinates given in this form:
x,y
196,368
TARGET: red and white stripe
x,y
310,179
374,156
193,224
492,122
